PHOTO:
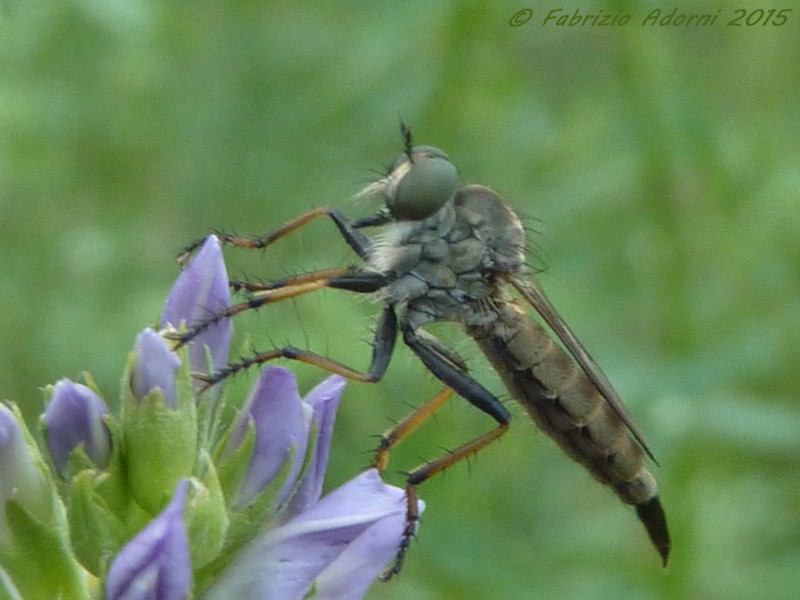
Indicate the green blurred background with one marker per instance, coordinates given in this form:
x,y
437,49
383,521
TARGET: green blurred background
x,y
656,166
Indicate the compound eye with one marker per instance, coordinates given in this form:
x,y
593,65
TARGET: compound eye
x,y
428,185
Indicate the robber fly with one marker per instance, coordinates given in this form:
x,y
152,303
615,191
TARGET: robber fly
x,y
457,253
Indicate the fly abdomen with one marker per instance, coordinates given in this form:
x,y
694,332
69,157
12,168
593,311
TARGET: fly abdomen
x,y
566,405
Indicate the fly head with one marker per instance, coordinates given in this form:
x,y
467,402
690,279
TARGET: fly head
x,y
417,185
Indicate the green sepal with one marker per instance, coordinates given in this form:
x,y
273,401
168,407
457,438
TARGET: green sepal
x,y
232,467
8,591
40,488
113,485
247,523
207,515
96,531
250,520
37,556
40,562
160,442
209,405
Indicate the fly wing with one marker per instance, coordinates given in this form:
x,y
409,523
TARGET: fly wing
x,y
539,301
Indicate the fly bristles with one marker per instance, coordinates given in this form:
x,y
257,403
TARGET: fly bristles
x,y
380,253
371,191
486,305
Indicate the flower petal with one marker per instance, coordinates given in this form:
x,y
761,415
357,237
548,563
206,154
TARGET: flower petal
x,y
155,563
156,367
199,292
282,427
351,574
74,417
283,563
324,399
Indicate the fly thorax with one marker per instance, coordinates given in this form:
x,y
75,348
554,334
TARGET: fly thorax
x,y
492,222
445,267
415,255
403,244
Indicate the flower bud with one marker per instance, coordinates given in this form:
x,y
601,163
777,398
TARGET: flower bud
x,y
156,367
200,292
159,421
74,419
155,563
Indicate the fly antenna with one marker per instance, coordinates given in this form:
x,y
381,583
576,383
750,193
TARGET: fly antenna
x,y
407,143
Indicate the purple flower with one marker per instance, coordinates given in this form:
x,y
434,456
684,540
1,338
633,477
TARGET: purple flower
x,y
254,525
20,479
343,542
200,292
351,573
74,418
156,367
155,564
283,423
160,434
324,400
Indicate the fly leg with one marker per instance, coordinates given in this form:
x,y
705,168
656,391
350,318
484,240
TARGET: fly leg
x,y
252,287
345,278
393,436
358,241
382,348
260,294
447,366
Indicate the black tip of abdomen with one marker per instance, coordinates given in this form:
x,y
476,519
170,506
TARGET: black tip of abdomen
x,y
652,516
